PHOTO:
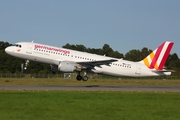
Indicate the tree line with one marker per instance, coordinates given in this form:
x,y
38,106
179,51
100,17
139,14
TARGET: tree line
x,y
10,64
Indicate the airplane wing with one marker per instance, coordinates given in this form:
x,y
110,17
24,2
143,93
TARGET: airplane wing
x,y
96,63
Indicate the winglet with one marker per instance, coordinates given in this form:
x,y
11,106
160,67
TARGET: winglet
x,y
159,56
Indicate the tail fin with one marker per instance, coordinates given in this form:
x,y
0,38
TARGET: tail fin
x,y
159,56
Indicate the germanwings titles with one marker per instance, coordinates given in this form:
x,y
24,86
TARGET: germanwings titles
x,y
67,60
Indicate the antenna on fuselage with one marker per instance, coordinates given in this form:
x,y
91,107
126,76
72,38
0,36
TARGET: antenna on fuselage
x,y
32,41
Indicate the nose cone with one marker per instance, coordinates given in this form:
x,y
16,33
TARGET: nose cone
x,y
9,50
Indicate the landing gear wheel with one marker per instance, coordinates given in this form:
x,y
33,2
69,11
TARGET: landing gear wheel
x,y
85,78
79,77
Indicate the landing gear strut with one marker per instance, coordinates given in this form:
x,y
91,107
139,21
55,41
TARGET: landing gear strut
x,y
79,77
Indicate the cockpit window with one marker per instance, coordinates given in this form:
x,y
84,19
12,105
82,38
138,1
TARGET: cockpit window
x,y
17,45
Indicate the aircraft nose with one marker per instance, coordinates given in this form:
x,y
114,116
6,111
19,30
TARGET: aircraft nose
x,y
8,50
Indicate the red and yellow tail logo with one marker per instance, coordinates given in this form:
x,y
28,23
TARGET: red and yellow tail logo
x,y
159,56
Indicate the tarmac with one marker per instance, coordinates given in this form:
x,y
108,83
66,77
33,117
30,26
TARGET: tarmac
x,y
128,88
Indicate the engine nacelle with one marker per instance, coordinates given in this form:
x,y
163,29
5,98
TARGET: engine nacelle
x,y
66,66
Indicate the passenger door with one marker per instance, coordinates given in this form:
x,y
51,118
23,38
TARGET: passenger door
x,y
29,48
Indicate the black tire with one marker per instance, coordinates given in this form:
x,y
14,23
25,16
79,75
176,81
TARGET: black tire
x,y
85,78
79,78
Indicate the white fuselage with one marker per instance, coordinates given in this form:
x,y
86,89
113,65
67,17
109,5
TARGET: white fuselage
x,y
54,55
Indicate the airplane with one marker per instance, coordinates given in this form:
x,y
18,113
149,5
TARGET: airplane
x,y
66,60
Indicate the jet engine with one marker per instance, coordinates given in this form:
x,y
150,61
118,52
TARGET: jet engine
x,y
65,66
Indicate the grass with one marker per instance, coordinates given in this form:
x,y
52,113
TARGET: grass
x,y
61,81
73,105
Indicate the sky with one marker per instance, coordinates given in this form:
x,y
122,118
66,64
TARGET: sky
x,y
122,24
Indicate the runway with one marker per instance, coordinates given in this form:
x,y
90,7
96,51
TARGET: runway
x,y
128,88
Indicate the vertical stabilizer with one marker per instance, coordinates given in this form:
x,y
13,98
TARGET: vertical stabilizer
x,y
159,56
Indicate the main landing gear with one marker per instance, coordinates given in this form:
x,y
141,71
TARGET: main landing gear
x,y
79,77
